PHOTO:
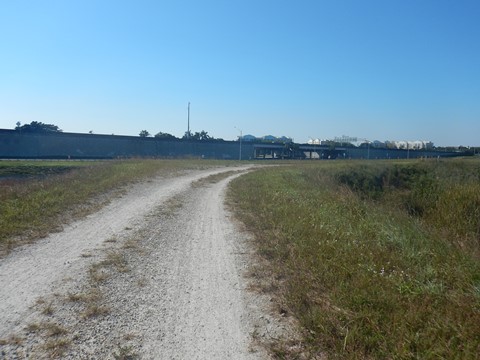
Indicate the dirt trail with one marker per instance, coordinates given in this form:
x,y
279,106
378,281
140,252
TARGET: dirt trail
x,y
183,296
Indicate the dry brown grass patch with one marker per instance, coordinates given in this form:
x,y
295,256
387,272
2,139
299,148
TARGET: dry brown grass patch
x,y
97,274
53,329
57,347
95,310
33,327
12,340
48,309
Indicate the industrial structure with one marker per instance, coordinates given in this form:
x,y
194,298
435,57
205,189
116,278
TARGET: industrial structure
x,y
22,145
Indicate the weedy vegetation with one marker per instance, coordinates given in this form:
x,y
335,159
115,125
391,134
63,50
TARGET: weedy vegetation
x,y
170,207
375,259
54,329
48,309
125,353
95,310
12,340
215,178
57,346
36,197
33,327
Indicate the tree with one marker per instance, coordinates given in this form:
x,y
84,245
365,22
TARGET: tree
x,y
187,135
202,135
144,133
165,136
37,127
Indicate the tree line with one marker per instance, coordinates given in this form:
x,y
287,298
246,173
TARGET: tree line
x,y
198,135
39,127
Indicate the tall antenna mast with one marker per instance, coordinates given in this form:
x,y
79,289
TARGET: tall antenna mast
x,y
188,125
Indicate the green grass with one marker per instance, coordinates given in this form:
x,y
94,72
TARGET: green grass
x,y
37,197
30,168
375,259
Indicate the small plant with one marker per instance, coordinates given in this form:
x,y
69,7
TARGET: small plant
x,y
48,309
12,340
95,310
215,178
116,259
53,329
171,206
142,282
129,336
77,297
33,327
130,244
57,347
125,353
97,275
40,301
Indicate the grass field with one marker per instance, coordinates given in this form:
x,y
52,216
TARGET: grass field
x,y
376,260
37,197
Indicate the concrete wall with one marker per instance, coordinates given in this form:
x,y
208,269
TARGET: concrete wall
x,y
14,144
374,153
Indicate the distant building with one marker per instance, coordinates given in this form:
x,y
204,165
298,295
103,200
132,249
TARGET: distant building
x,y
248,138
268,138
284,139
378,144
314,142
412,145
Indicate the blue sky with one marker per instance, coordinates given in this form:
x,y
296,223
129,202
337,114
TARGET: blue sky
x,y
375,69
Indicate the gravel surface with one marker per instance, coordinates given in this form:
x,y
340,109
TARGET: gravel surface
x,y
156,274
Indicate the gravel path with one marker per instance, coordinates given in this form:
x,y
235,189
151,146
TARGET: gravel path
x,y
177,290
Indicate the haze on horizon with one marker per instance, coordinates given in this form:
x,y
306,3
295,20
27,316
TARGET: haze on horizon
x,y
396,70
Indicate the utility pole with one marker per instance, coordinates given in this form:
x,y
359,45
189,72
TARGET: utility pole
x,y
240,155
188,123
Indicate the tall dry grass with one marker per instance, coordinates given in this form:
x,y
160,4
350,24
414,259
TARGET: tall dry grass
x,y
376,259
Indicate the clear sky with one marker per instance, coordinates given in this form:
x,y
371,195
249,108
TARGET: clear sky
x,y
375,69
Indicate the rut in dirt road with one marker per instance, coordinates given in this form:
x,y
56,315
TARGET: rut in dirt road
x,y
198,306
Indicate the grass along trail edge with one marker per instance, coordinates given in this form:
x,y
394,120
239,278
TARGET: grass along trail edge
x,y
38,197
374,259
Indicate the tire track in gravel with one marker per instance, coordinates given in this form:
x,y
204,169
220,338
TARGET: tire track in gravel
x,y
200,309
184,295
33,271
193,302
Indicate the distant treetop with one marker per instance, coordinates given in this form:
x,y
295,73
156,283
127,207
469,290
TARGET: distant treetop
x,y
167,136
37,127
202,135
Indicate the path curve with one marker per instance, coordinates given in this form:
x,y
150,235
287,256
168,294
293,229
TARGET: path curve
x,y
195,304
